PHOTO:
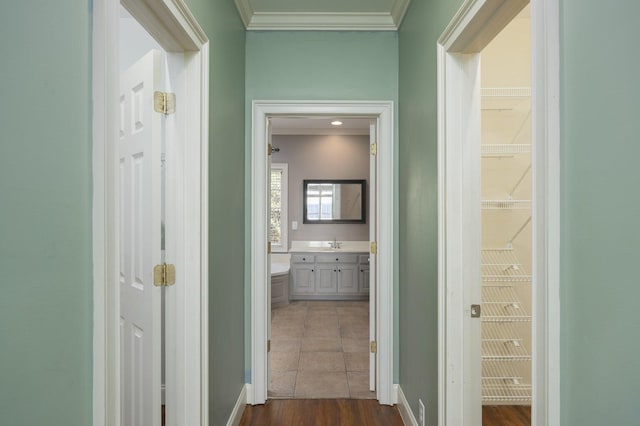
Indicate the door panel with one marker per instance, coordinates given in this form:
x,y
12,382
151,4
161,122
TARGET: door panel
x,y
140,227
303,279
327,279
347,279
364,279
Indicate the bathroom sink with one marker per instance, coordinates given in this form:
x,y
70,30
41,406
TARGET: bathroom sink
x,y
321,249
325,247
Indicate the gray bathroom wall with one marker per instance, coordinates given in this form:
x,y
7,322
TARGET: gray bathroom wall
x,y
322,157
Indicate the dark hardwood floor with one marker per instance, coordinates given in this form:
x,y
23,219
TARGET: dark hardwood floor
x,y
359,412
506,415
321,412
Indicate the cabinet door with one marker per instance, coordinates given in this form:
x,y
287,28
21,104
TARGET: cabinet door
x,y
364,279
347,278
303,279
327,279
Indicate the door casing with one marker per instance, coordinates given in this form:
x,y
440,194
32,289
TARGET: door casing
x,y
176,30
382,111
471,29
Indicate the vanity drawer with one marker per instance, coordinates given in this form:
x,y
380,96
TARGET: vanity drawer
x,y
303,258
337,258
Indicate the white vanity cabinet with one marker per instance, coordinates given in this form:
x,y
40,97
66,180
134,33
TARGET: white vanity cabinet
x,y
329,276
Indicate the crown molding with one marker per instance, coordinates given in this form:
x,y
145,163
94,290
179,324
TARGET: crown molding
x,y
322,21
246,11
398,10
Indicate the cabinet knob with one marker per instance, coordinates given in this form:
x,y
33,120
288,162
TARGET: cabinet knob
x,y
339,270
304,258
312,270
337,259
361,270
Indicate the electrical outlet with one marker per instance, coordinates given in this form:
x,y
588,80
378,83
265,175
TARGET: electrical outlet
x,y
294,225
420,412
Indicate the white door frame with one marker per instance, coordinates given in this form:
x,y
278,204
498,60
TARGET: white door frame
x,y
475,24
176,30
261,111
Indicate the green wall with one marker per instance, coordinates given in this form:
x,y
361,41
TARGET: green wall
x,y
45,214
422,26
45,211
221,22
600,239
315,66
321,65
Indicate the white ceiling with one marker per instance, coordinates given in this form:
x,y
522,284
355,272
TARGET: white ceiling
x,y
319,126
333,15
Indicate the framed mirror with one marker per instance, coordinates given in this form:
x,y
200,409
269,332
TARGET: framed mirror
x,y
334,201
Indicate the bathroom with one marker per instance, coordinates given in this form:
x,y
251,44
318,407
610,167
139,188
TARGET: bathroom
x,y
320,244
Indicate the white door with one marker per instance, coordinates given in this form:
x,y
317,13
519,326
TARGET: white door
x,y
140,239
373,208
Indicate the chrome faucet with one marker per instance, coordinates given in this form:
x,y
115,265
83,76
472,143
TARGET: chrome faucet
x,y
335,243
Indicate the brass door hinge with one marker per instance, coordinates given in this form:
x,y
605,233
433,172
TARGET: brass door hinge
x,y
164,102
164,275
374,347
269,247
270,149
374,149
374,247
268,345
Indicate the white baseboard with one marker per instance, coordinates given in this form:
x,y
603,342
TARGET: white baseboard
x,y
405,410
238,409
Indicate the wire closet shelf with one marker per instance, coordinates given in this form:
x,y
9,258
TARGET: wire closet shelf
x,y
502,265
502,382
506,318
505,356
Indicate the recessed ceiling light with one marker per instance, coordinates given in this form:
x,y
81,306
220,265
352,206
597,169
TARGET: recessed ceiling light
x,y
336,123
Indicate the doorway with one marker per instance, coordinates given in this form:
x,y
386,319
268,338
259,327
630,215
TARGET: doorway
x,y
506,222
186,47
142,194
459,102
319,229
260,262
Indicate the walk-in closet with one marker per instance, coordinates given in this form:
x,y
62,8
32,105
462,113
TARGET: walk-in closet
x,y
506,216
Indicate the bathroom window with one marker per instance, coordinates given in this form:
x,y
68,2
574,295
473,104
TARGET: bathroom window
x,y
321,198
279,207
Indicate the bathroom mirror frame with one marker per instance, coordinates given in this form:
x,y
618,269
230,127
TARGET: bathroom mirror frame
x,y
363,200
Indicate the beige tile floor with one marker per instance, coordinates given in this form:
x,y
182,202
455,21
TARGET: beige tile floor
x,y
320,350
